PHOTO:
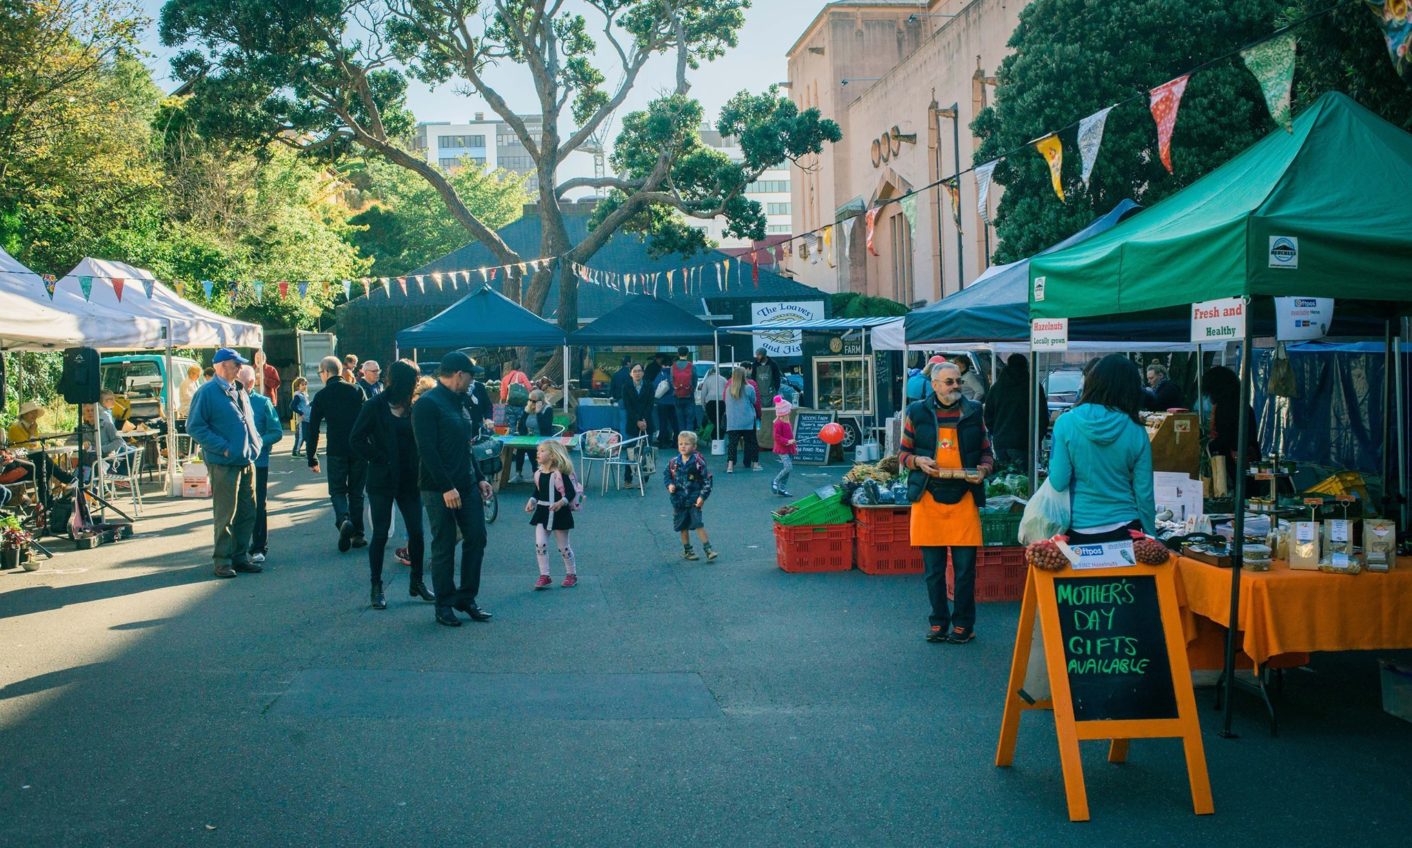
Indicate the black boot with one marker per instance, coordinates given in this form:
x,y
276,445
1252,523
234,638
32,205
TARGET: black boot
x,y
379,600
418,589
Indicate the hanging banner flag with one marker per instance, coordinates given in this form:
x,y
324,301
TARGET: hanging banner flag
x,y
1272,64
233,293
347,289
259,289
983,175
148,286
436,278
1090,139
953,192
118,288
871,219
1165,100
50,283
178,285
303,289
283,286
402,284
1395,20
207,286
493,272
755,269
422,283
367,286
85,285
828,246
386,285
1053,152
909,212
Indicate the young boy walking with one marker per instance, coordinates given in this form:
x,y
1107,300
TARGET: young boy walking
x,y
688,483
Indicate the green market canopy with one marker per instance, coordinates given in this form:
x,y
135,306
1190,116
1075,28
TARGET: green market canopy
x,y
1319,212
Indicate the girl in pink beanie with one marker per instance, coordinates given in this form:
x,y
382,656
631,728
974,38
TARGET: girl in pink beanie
x,y
784,445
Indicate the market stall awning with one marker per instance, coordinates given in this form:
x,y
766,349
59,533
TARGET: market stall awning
x,y
30,319
483,318
996,307
191,325
1318,212
645,320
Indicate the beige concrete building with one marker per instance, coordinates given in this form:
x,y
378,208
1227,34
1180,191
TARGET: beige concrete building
x,y
903,81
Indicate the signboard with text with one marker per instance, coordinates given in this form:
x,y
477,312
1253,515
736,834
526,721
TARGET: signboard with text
x,y
1303,318
1049,334
784,341
1217,321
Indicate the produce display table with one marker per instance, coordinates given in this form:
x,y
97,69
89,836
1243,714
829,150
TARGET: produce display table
x,y
509,444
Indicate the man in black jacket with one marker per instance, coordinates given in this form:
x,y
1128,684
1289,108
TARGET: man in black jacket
x,y
1161,394
338,403
442,424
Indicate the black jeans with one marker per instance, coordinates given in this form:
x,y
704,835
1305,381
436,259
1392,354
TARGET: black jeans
x,y
666,426
752,446
260,537
963,568
346,478
409,503
1119,535
444,522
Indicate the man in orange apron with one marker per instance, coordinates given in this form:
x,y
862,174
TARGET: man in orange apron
x,y
947,452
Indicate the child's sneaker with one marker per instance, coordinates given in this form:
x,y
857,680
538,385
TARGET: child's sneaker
x,y
570,581
689,554
543,582
710,552
784,493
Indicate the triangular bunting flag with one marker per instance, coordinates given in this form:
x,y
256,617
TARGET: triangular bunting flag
x,y
1053,152
283,286
259,289
983,175
436,278
909,213
1165,100
85,285
50,283
1090,139
755,269
118,288
828,246
233,293
402,285
347,289
386,285
493,272
953,194
870,219
207,286
179,285
1272,63
367,286
149,286
1395,20
422,283
303,289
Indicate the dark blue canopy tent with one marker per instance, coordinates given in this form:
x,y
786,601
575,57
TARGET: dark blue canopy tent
x,y
483,318
645,320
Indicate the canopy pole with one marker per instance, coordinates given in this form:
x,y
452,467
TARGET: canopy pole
x,y
1389,453
1402,428
566,379
1238,542
1034,418
173,460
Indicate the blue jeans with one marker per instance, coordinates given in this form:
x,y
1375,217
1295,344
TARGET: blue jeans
x,y
686,414
346,478
962,611
444,522
299,436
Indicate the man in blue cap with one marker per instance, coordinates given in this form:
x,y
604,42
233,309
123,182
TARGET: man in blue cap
x,y
222,422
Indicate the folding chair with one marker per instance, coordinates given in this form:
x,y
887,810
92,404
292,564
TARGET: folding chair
x,y
594,448
129,476
628,455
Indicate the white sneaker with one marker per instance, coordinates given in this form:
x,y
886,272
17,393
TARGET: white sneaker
x,y
516,478
257,558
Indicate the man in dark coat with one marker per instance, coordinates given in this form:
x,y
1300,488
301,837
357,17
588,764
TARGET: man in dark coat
x,y
1007,412
1161,394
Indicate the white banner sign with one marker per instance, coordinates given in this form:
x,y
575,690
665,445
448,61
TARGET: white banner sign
x,y
1049,334
1302,318
784,342
1218,321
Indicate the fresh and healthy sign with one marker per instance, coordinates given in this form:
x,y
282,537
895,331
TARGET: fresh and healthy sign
x,y
1049,334
1217,321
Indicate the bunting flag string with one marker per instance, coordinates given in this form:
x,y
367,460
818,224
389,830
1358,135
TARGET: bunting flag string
x,y
1272,64
1164,101
1090,139
1053,152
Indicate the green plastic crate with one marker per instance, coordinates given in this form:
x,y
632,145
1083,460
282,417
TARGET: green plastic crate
x,y
815,510
1000,529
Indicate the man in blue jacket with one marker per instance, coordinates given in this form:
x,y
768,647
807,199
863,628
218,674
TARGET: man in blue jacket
x,y
222,422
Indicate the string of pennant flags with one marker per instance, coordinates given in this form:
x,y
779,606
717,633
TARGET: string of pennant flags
x,y
1270,60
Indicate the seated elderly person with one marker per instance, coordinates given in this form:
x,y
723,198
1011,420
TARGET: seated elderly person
x,y
109,443
24,435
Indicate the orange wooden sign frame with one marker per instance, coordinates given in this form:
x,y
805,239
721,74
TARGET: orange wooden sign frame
x,y
1040,597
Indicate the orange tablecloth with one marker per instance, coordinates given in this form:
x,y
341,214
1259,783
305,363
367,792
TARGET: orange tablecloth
x,y
1286,611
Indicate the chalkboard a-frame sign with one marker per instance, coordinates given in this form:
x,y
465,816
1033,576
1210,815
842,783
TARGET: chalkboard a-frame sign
x,y
1116,660
809,448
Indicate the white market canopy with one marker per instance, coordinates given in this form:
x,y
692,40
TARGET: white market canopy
x,y
30,321
191,325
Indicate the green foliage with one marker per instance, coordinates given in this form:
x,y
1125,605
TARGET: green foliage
x,y
855,305
406,225
1345,51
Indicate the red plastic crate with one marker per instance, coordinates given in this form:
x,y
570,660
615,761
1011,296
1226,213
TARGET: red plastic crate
x,y
1000,574
814,547
885,541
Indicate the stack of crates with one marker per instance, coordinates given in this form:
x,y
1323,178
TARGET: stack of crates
x,y
816,536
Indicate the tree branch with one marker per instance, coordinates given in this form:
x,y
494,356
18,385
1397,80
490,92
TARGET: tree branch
x,y
597,182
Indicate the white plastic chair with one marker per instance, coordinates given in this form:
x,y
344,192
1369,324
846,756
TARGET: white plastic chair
x,y
629,455
594,449
131,476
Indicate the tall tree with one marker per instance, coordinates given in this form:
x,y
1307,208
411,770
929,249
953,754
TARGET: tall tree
x,y
326,75
1071,58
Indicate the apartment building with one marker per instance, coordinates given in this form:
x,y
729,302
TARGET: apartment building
x,y
771,191
493,144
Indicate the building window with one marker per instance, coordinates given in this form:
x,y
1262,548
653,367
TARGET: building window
x,y
777,229
768,187
449,162
901,260
776,208
459,142
517,163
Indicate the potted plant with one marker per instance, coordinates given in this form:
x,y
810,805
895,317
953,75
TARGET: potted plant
x,y
14,542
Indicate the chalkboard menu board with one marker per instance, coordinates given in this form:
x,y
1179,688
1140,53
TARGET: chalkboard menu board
x,y
810,448
1115,651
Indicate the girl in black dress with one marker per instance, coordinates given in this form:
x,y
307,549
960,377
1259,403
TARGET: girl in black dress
x,y
551,511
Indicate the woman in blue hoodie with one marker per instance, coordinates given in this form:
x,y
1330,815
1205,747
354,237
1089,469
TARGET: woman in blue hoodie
x,y
1102,456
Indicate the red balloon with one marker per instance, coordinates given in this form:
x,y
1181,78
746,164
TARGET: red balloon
x,y
831,433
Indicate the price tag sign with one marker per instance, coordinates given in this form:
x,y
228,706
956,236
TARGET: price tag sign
x,y
1304,531
1338,530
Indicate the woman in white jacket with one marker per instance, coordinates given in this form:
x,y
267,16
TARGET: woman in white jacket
x,y
708,396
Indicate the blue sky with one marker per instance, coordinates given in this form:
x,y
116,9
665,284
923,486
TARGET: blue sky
x,y
770,27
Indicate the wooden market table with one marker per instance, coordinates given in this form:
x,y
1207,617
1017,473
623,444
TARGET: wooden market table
x,y
509,444
1284,612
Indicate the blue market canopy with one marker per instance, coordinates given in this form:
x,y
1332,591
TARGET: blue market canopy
x,y
483,318
645,320
996,307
